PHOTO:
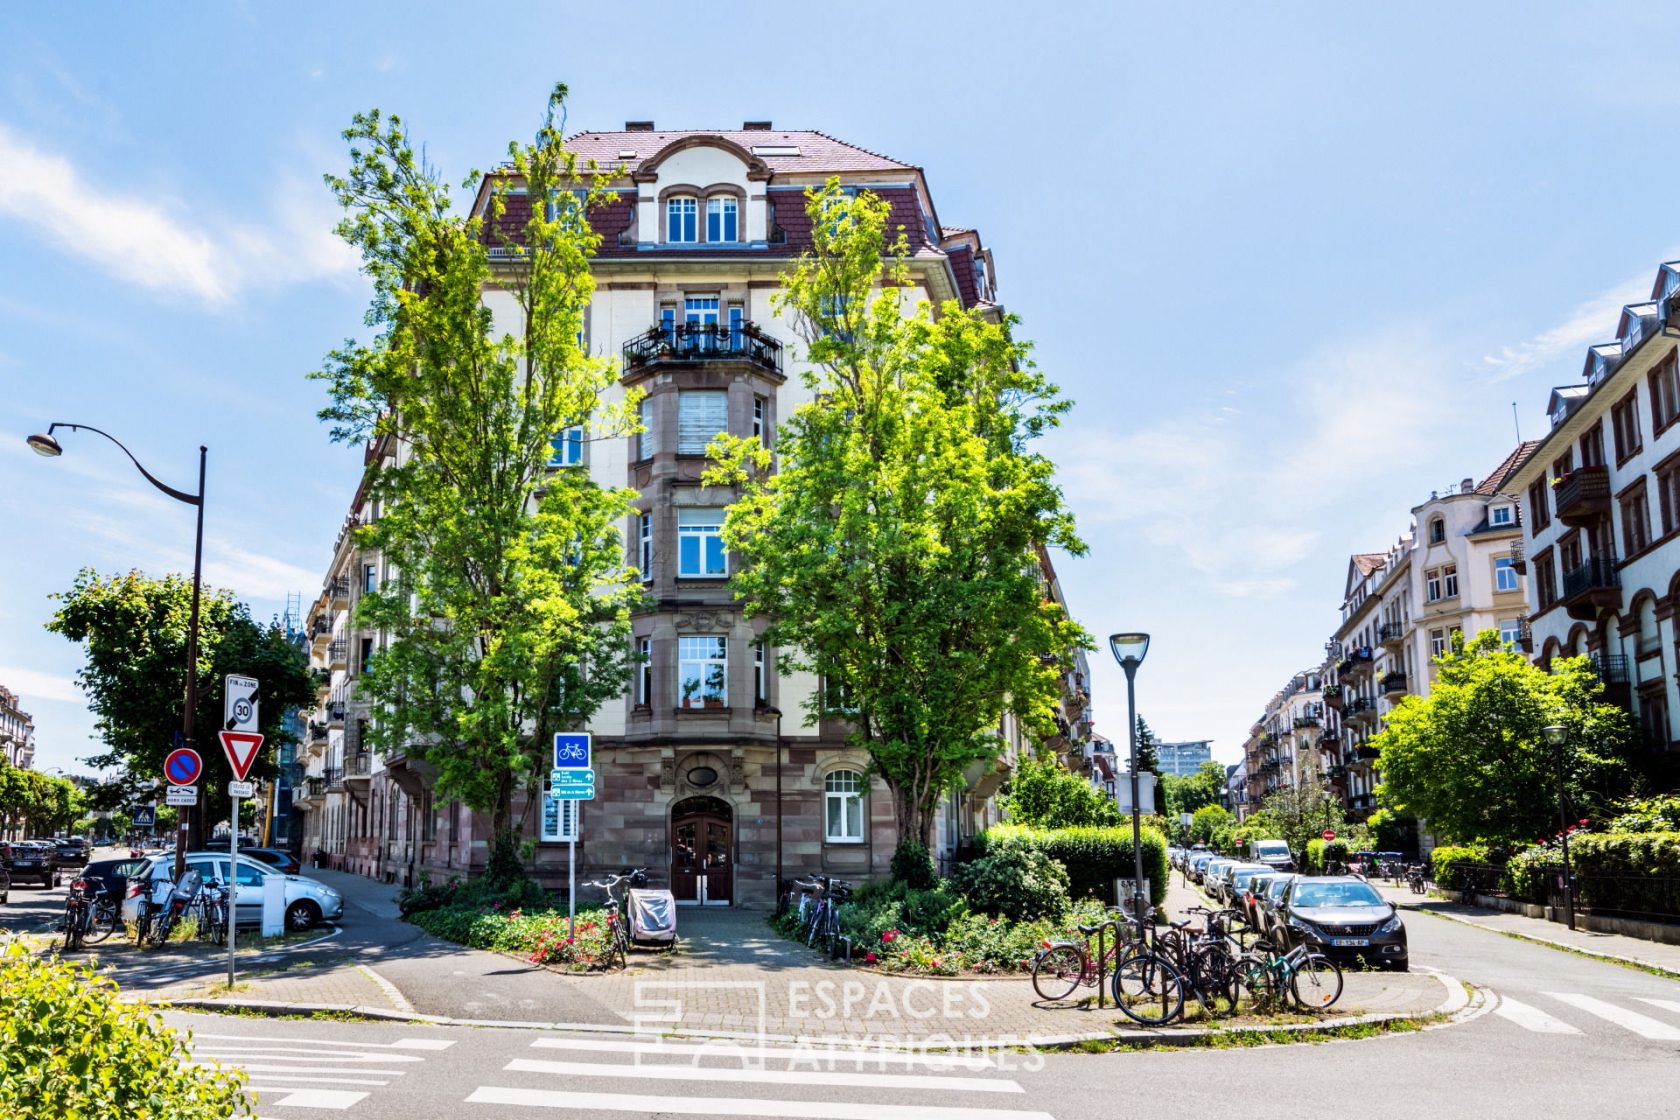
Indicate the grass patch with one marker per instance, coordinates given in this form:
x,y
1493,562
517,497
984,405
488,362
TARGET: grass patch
x,y
1233,1038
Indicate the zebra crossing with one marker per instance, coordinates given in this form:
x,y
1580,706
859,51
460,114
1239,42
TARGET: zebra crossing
x,y
820,1082
1550,1014
295,1071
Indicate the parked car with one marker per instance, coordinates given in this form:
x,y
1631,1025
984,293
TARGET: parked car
x,y
1198,864
307,901
1236,883
33,861
112,875
5,885
1343,917
1213,875
284,862
1248,901
1272,853
73,851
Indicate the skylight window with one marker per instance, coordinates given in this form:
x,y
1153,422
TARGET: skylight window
x,y
775,149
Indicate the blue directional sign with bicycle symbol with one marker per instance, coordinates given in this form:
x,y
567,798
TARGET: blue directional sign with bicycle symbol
x,y
571,752
572,779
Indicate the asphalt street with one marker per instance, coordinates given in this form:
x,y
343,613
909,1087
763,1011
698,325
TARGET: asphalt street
x,y
1563,1032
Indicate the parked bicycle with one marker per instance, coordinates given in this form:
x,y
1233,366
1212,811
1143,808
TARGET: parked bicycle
x,y
618,944
1414,878
1312,981
168,904
1061,966
820,901
90,915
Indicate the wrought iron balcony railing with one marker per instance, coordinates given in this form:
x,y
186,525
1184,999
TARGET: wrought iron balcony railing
x,y
703,342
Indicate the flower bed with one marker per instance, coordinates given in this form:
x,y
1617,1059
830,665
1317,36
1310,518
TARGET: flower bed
x,y
540,936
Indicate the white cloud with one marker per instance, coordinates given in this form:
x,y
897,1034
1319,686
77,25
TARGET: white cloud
x,y
1592,321
252,575
31,684
162,247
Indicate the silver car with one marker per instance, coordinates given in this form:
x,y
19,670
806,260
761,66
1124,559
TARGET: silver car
x,y
307,901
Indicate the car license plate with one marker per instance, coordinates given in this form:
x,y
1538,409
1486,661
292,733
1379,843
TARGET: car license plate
x,y
1351,942
26,863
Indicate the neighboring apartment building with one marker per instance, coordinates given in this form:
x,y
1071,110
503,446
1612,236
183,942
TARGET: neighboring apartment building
x,y
1283,745
1181,759
17,731
709,755
1602,532
1452,570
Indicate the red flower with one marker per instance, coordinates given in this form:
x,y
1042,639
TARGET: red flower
x,y
890,935
1583,822
935,964
869,958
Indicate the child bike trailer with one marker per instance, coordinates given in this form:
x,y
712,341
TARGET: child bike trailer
x,y
653,917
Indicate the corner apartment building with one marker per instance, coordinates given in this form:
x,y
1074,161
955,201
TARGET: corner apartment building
x,y
1602,537
17,731
709,755
1283,745
1452,569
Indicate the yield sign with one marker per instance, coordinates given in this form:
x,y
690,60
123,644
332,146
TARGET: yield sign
x,y
241,749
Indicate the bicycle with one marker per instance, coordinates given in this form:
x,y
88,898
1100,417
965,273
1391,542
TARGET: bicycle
x,y
822,921
1311,980
76,915
618,946
211,912
1414,878
1062,966
182,896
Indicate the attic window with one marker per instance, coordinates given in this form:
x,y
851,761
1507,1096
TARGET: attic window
x,y
627,153
775,149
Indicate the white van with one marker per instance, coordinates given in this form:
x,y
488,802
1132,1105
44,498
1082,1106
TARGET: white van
x,y
1272,853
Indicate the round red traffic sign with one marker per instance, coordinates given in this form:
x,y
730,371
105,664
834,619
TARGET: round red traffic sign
x,y
1329,834
182,767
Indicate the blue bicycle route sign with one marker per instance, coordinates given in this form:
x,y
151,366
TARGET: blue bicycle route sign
x,y
571,752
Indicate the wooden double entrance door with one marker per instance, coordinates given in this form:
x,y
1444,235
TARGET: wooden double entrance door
x,y
703,851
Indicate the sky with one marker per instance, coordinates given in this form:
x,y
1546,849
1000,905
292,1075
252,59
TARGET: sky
x,y
1293,263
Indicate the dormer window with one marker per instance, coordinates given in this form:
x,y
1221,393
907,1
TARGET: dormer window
x,y
1499,515
722,219
1437,531
682,219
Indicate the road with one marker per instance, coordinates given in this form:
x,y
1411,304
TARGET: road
x,y
1565,1031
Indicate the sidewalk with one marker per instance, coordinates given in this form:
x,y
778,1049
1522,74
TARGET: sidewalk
x,y
1610,946
731,976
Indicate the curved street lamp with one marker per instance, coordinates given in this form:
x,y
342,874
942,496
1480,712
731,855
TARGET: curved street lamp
x,y
1129,650
43,443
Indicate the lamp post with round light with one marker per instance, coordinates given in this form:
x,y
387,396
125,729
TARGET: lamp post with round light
x,y
1557,737
1129,650
45,444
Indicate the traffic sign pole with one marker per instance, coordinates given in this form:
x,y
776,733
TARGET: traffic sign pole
x,y
240,741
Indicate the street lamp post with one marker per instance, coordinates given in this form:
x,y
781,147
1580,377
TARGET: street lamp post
x,y
1557,737
1129,650
45,444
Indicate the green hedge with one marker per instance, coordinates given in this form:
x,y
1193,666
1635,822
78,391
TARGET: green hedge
x,y
1443,863
1322,853
1634,872
1093,857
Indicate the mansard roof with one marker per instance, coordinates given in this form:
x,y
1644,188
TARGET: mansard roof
x,y
783,152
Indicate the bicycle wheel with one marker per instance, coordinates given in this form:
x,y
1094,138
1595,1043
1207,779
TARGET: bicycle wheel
x,y
1149,990
101,924
1317,983
1213,979
1057,972
1253,977
74,920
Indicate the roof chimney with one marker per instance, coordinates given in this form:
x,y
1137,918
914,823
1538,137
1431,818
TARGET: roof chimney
x,y
638,126
1468,486
755,126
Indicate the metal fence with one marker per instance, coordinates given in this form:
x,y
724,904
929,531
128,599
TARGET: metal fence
x,y
1613,895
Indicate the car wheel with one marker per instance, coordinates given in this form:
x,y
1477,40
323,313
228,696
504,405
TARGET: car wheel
x,y
301,915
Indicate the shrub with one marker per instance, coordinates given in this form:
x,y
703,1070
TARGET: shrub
x,y
1092,857
1322,853
1016,881
541,936
912,864
876,908
69,1047
1631,872
1446,863
1658,814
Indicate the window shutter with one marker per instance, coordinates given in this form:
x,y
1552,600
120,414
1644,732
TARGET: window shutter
x,y
701,415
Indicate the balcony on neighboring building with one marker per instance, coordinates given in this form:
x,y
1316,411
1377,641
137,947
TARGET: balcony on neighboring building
x,y
1360,711
1393,683
1612,671
338,593
317,732
1592,587
320,633
1519,556
338,654
335,713
1391,633
1333,696
358,766
1366,754
1582,497
1355,663
702,342
1525,637
1308,718
335,777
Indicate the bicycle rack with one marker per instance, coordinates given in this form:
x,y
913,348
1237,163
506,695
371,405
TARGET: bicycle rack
x,y
1102,965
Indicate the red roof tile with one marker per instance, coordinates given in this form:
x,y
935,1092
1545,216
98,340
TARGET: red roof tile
x,y
818,151
1492,483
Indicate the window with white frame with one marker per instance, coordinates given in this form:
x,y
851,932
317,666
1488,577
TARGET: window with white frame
x,y
1504,574
682,219
1437,642
1449,581
1432,584
843,807
700,552
722,218
645,444
559,818
644,672
761,420
702,671
1437,530
644,546
566,448
1510,630
1500,515
761,679
701,415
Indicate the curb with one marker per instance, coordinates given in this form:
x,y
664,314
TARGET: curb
x,y
1458,1006
1561,946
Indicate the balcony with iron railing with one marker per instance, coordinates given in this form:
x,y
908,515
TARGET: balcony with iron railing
x,y
1393,683
335,777
317,733
358,766
1519,556
1590,588
338,593
1582,496
702,342
338,654
1360,711
1333,696
1355,663
1391,633
335,713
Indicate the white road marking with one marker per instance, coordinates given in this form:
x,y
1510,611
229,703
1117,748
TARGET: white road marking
x,y
1666,1004
642,1071
419,1044
400,1044
310,1098
282,1054
1531,1018
1631,1020
249,1068
303,1077
793,1054
737,1106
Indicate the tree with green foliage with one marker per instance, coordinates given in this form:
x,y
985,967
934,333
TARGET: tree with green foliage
x,y
1042,793
1214,826
1470,758
1148,750
895,545
1187,793
1302,812
37,804
510,619
133,630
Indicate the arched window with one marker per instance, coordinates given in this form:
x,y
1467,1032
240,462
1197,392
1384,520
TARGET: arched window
x,y
843,807
682,219
1437,531
722,219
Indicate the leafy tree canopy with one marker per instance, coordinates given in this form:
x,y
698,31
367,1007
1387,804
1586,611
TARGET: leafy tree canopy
x,y
1044,794
1212,825
896,546
1470,759
511,617
1148,750
1190,792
